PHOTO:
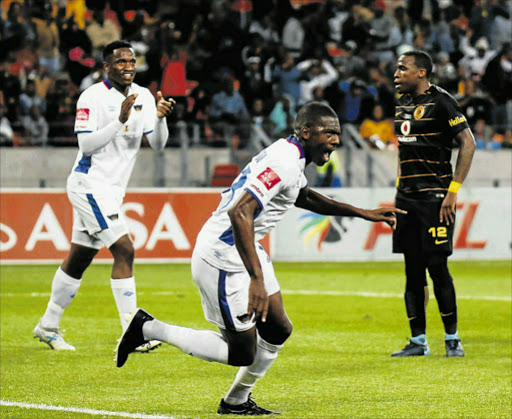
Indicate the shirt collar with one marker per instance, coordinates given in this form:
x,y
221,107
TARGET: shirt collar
x,y
291,139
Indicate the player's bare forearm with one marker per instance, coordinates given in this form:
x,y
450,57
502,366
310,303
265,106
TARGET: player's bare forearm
x,y
316,202
465,157
311,200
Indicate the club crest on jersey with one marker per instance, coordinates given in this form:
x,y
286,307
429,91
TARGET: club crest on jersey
x,y
405,128
82,114
419,112
269,178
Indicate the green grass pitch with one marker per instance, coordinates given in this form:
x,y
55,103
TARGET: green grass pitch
x,y
348,318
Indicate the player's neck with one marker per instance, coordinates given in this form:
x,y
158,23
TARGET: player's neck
x,y
422,88
124,89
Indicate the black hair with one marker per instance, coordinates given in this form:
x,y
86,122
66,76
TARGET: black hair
x,y
421,60
109,49
311,114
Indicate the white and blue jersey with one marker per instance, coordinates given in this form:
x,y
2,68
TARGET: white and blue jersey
x,y
109,168
274,178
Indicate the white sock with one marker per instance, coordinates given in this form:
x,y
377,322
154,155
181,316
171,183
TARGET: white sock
x,y
126,299
204,344
246,377
64,289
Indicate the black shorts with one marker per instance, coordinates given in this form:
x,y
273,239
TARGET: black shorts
x,y
420,229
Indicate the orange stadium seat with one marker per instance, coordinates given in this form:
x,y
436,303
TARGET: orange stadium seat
x,y
224,174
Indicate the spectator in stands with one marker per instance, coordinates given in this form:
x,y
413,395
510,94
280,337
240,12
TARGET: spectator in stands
x,y
35,127
29,98
338,15
228,112
445,73
16,31
376,130
385,90
48,40
356,101
317,73
476,104
199,100
174,79
253,84
318,95
498,81
6,132
11,87
260,117
286,78
381,25
476,59
266,28
401,30
348,62
62,125
101,32
76,47
294,34
357,26
96,74
283,114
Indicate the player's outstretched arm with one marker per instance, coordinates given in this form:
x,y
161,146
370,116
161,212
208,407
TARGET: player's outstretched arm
x,y
313,201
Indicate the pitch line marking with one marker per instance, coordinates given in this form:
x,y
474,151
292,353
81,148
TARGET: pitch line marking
x,y
82,410
298,292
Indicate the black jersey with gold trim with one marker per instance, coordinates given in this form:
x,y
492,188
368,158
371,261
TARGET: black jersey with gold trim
x,y
426,126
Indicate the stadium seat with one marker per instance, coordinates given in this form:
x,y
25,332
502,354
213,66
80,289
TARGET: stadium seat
x,y
224,174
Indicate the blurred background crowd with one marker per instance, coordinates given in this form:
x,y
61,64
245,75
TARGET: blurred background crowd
x,y
240,67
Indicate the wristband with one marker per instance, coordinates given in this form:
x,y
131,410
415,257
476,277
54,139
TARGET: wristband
x,y
454,187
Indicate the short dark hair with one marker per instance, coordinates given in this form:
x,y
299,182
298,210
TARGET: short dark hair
x,y
311,114
109,49
421,60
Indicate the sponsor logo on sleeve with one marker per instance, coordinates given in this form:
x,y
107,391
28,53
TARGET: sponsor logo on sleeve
x,y
256,189
457,120
82,114
269,178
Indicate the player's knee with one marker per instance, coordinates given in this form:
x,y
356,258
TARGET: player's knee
x,y
439,273
285,330
123,250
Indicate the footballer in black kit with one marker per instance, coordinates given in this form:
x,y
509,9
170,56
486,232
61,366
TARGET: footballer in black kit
x,y
428,123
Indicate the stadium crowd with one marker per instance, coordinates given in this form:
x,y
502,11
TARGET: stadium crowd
x,y
233,65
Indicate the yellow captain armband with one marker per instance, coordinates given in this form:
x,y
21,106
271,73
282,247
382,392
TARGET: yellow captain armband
x,y
454,187
397,181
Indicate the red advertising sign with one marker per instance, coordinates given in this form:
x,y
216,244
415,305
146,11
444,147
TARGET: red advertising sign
x,y
36,225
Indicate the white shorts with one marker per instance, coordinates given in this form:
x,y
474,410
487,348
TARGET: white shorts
x,y
225,295
97,219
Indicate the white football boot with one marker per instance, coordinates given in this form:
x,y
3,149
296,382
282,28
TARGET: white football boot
x,y
52,337
148,346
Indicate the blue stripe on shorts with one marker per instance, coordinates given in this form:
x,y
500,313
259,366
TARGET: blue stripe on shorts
x,y
97,213
223,302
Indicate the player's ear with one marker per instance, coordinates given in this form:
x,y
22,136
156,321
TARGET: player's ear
x,y
304,132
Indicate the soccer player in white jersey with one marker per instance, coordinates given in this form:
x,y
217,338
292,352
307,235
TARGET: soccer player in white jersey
x,y
112,118
239,290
